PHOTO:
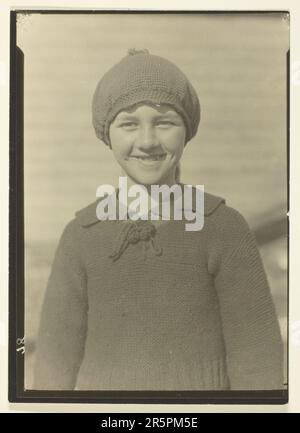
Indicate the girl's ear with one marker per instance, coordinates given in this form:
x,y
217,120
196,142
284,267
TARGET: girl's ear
x,y
185,144
107,142
177,173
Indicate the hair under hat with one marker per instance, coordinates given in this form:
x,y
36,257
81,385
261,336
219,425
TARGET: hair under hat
x,y
144,77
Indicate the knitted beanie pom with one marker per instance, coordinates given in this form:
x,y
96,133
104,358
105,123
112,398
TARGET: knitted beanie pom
x,y
134,51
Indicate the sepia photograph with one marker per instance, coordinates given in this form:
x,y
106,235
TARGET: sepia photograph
x,y
154,195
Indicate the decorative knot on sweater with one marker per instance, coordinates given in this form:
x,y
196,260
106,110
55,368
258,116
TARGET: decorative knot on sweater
x,y
133,232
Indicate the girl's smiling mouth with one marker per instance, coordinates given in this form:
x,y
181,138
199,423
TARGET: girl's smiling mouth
x,y
149,159
158,157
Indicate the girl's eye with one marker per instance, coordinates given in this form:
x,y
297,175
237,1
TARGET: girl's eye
x,y
128,125
165,123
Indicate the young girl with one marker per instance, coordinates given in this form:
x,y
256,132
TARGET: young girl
x,y
148,305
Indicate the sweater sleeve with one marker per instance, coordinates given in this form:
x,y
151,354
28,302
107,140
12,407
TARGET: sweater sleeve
x,y
250,327
63,320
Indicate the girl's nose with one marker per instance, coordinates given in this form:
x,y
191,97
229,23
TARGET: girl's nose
x,y
147,138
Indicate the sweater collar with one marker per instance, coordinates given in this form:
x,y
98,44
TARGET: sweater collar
x,y
87,216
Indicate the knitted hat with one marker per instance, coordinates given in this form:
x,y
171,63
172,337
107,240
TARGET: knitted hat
x,y
143,77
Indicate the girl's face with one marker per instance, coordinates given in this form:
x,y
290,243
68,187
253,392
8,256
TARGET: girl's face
x,y
148,143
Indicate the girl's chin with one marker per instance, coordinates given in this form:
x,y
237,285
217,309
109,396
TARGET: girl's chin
x,y
152,180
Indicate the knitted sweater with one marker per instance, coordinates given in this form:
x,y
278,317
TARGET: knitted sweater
x,y
191,311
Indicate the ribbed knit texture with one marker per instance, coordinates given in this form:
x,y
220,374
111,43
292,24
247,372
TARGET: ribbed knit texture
x,y
144,78
197,317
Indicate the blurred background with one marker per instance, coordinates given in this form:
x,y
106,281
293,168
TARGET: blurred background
x,y
237,64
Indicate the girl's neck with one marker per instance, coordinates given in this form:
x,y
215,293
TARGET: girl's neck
x,y
169,182
130,182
